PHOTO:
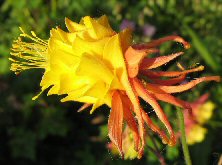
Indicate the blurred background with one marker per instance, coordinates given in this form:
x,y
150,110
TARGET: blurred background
x,y
48,132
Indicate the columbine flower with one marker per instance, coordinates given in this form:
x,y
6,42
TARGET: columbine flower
x,y
202,112
95,65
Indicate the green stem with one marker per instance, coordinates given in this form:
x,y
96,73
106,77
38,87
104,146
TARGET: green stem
x,y
158,155
156,150
53,8
183,137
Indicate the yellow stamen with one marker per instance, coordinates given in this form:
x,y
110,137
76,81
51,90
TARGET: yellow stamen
x,y
26,55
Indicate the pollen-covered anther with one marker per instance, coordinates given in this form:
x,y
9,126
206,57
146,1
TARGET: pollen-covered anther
x,y
26,55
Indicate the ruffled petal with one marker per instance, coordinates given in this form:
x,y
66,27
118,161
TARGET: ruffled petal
x,y
59,34
114,56
126,39
73,26
94,67
134,58
98,31
103,20
80,46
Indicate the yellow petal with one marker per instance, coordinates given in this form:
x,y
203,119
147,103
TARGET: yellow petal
x,y
103,20
126,39
94,67
66,37
54,90
60,52
95,91
196,134
88,94
87,99
76,94
205,112
99,31
114,56
51,79
81,46
73,26
70,82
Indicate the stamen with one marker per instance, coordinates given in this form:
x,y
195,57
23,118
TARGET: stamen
x,y
26,55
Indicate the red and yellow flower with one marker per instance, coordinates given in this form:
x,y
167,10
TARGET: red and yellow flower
x,y
93,64
202,111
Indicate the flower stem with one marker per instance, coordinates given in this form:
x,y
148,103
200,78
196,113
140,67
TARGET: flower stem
x,y
155,150
183,137
158,155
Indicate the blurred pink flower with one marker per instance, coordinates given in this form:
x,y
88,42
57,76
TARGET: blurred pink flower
x,y
127,24
149,30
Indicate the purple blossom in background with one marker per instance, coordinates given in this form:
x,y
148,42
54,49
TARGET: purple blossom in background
x,y
149,30
127,24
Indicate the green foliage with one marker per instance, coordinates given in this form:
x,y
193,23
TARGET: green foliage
x,y
172,153
46,131
202,50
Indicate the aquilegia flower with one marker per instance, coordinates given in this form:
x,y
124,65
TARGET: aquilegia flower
x,y
202,111
93,64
